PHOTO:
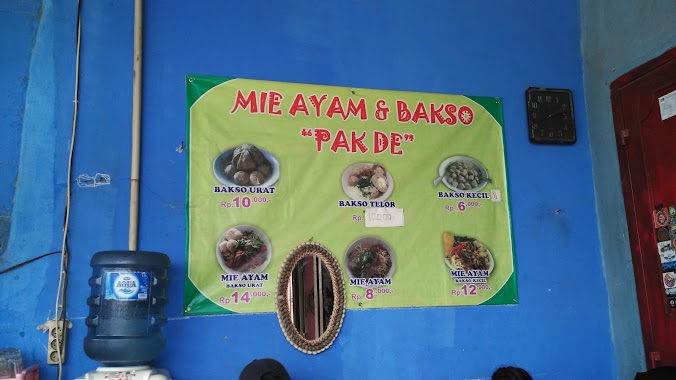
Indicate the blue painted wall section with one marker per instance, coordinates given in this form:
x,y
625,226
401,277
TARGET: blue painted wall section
x,y
610,48
27,294
560,328
14,16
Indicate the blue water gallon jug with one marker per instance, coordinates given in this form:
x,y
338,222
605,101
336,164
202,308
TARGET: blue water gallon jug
x,y
126,307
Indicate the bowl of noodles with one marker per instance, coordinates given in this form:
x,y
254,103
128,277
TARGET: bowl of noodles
x,y
243,249
466,253
369,257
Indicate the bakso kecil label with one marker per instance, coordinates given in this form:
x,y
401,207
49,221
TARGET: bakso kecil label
x,y
377,177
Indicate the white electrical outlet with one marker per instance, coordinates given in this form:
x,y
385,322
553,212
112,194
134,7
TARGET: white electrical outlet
x,y
56,330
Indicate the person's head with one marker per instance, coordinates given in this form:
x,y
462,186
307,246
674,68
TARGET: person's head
x,y
264,369
511,373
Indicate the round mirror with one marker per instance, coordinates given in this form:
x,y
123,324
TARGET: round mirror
x,y
310,298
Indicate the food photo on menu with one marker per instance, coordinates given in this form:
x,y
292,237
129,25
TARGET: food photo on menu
x,y
243,249
370,258
466,254
367,182
462,173
246,165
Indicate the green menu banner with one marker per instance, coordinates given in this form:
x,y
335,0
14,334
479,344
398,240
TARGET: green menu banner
x,y
407,190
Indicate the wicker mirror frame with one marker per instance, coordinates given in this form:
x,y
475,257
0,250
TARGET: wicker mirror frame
x,y
320,344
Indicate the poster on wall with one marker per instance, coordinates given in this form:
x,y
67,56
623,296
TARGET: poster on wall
x,y
407,190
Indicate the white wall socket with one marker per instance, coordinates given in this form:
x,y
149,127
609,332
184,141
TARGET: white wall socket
x,y
56,329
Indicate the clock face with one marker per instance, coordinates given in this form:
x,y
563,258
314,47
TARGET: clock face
x,y
551,119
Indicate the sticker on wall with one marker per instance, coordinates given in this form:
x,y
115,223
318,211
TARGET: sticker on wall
x,y
666,250
661,221
662,234
667,105
669,281
669,267
661,218
672,224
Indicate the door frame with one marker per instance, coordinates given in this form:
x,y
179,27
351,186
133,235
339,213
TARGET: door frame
x,y
633,169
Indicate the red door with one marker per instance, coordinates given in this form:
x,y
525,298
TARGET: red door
x,y
647,154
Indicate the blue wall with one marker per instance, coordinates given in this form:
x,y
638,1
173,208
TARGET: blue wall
x,y
610,49
14,16
559,330
36,105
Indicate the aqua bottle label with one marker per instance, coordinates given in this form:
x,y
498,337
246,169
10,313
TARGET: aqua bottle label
x,y
127,286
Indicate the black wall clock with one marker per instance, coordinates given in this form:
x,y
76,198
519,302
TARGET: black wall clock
x,y
551,119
